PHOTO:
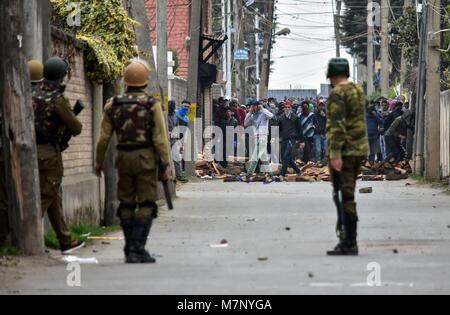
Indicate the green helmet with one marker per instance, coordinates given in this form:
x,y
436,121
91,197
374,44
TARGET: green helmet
x,y
55,69
338,66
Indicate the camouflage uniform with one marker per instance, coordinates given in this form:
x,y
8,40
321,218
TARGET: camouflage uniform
x,y
52,113
142,137
347,138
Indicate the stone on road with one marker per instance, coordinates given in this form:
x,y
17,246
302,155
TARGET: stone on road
x,y
276,238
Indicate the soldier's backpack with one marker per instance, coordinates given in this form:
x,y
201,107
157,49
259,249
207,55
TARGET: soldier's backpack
x,y
46,121
132,119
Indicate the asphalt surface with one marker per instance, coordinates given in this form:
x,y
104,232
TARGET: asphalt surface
x,y
277,237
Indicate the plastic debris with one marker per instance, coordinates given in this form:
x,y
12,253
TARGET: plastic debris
x,y
82,261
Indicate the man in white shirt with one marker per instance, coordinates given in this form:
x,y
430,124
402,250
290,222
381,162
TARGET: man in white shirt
x,y
258,119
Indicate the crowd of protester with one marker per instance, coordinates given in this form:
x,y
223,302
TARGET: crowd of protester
x,y
302,130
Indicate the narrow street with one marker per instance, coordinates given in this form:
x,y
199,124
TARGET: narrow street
x,y
277,236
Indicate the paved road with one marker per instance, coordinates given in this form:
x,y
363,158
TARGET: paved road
x,y
410,220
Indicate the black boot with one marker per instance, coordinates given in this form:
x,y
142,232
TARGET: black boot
x,y
137,253
348,245
127,227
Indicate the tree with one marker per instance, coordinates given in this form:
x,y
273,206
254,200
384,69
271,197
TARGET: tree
x,y
19,139
405,35
353,28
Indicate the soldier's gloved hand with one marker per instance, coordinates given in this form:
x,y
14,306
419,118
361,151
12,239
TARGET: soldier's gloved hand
x,y
99,170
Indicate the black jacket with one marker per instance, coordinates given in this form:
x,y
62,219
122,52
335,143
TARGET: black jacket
x,y
321,124
290,128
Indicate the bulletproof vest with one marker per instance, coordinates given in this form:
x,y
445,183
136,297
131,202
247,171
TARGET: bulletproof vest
x,y
132,119
46,121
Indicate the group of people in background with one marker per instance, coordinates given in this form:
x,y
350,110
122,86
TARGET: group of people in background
x,y
302,130
301,122
390,126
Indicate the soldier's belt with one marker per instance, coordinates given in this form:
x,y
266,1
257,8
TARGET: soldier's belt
x,y
132,147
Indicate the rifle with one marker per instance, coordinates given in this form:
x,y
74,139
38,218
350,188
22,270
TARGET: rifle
x,y
165,183
65,134
338,199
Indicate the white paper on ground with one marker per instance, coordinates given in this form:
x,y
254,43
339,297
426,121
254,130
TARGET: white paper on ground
x,y
82,261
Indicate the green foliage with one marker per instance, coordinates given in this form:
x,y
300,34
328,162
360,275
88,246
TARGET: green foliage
x,y
9,251
79,232
405,35
109,33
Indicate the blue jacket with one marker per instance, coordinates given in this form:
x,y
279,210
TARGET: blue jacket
x,y
373,122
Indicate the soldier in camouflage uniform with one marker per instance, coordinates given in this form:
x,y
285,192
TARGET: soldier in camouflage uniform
x,y
139,124
348,146
36,69
52,113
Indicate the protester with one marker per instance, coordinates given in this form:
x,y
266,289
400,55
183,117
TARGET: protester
x,y
374,126
307,119
258,118
320,140
291,134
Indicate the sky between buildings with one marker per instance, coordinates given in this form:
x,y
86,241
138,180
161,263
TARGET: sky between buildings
x,y
301,58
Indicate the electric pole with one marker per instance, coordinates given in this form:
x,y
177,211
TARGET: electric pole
x,y
194,58
258,58
224,47
239,44
267,49
385,64
19,138
432,170
419,107
370,55
337,34
229,59
162,64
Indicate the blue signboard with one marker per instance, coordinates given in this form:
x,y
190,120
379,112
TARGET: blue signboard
x,y
241,54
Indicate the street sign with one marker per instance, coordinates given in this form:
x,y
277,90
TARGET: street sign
x,y
241,54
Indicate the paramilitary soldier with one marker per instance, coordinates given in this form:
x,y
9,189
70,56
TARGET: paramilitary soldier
x,y
52,114
36,69
348,146
139,124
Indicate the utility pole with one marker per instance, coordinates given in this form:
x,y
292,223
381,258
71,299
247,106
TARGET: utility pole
x,y
224,47
267,49
385,64
19,139
258,57
239,44
194,59
37,37
404,63
337,34
419,107
433,92
138,12
370,55
161,31
229,52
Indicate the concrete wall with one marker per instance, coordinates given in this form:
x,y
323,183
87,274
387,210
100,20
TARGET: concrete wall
x,y
445,133
82,198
